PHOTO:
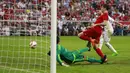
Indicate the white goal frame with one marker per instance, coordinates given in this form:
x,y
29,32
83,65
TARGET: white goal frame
x,y
53,35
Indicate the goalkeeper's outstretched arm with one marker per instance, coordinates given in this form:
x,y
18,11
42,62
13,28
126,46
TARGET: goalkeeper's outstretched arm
x,y
59,60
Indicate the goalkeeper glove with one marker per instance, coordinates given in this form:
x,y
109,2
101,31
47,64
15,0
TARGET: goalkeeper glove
x,y
63,64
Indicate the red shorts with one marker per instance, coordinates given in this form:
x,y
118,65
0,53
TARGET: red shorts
x,y
94,33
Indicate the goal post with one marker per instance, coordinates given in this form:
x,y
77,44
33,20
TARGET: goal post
x,y
53,34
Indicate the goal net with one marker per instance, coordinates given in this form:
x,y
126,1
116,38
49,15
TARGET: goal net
x,y
23,21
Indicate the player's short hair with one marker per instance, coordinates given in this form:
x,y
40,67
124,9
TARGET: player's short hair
x,y
58,39
106,6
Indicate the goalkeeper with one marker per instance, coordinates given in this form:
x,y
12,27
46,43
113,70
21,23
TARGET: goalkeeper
x,y
65,57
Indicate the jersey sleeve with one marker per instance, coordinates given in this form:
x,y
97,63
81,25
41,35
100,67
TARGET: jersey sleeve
x,y
58,58
58,53
111,19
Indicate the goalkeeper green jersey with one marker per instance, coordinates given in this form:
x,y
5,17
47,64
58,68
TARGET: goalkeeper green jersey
x,y
73,56
64,54
69,56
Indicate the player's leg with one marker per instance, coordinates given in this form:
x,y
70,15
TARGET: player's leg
x,y
85,35
112,49
91,60
88,34
95,60
101,42
95,44
80,51
107,38
98,51
110,30
81,58
78,57
89,45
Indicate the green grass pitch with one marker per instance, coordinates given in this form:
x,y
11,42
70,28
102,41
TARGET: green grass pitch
x,y
116,64
17,57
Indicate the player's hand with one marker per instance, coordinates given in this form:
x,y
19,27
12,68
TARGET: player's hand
x,y
63,64
92,41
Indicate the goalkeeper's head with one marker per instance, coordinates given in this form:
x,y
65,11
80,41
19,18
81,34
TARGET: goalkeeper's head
x,y
58,39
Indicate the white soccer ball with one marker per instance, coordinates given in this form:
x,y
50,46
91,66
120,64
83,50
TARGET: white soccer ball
x,y
33,44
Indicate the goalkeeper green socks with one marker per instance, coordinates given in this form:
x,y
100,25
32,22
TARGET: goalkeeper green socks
x,y
82,50
92,60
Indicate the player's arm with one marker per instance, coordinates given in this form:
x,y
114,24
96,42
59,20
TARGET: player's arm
x,y
111,19
105,18
100,24
118,23
59,60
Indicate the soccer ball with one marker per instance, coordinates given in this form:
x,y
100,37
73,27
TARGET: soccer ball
x,y
33,44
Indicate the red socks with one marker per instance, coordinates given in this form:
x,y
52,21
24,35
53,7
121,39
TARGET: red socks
x,y
99,52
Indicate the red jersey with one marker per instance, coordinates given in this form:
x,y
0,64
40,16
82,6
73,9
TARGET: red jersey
x,y
96,31
100,19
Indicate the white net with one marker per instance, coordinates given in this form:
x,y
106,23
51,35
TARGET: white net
x,y
23,21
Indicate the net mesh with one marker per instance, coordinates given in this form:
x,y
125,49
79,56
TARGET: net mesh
x,y
23,21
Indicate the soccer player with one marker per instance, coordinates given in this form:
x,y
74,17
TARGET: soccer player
x,y
93,34
65,57
106,36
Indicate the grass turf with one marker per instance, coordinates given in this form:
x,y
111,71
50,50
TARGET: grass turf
x,y
17,57
115,64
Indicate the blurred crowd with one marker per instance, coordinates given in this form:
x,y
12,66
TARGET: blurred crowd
x,y
67,9
22,11
86,9
25,9
28,29
15,16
